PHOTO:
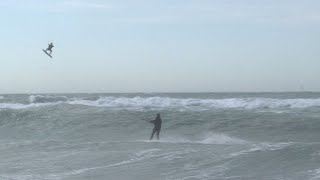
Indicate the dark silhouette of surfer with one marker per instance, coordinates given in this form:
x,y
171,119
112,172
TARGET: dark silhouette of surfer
x,y
50,46
157,126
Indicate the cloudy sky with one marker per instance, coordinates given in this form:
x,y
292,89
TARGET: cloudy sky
x,y
159,46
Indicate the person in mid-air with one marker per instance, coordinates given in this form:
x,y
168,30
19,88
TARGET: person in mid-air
x,y
50,46
157,126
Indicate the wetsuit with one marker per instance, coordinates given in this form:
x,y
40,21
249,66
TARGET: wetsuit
x,y
157,126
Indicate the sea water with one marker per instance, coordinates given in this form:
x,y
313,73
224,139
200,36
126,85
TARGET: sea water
x,y
204,136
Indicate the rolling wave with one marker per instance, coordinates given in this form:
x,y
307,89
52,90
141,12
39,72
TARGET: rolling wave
x,y
24,106
141,103
46,98
166,102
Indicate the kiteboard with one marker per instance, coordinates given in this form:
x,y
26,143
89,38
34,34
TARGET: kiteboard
x,y
47,53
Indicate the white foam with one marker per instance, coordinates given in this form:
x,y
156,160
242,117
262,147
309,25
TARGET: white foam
x,y
23,106
212,138
35,101
316,174
139,156
159,103
46,98
141,103
264,146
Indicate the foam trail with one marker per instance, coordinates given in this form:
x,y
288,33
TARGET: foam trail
x,y
210,138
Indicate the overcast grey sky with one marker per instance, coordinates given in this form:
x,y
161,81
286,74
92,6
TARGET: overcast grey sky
x,y
159,46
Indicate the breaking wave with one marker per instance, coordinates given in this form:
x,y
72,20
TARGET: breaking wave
x,y
46,99
167,102
23,106
149,103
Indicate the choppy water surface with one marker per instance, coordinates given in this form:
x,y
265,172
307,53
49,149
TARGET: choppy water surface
x,y
204,136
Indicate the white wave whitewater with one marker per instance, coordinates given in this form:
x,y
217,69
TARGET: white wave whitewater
x,y
140,103
203,136
189,103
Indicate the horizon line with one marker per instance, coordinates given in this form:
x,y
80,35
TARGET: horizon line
x,y
164,92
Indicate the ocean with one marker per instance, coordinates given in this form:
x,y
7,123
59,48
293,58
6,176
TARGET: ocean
x,y
204,136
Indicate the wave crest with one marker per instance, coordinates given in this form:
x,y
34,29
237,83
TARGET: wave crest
x,y
46,99
159,103
200,104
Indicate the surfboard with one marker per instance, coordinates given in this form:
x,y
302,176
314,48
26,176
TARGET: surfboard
x,y
46,53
